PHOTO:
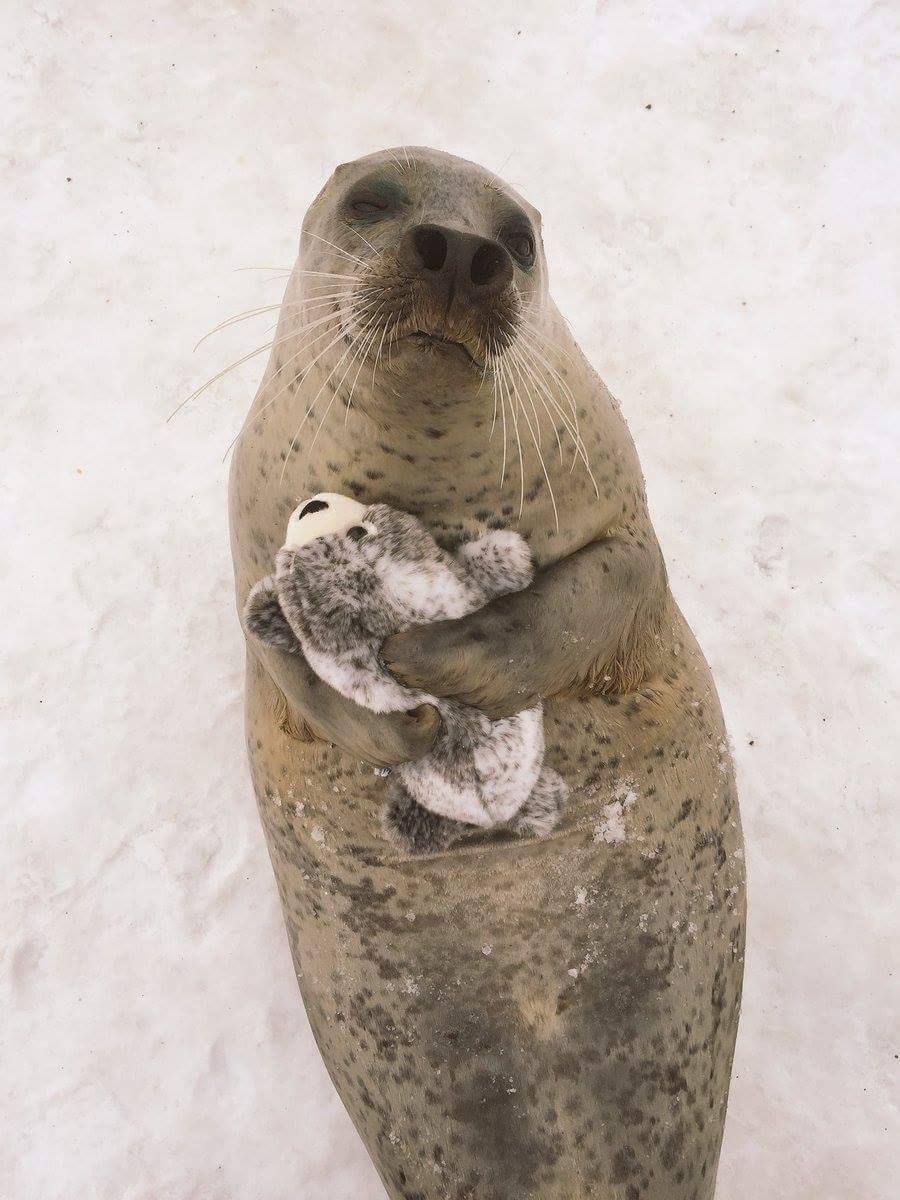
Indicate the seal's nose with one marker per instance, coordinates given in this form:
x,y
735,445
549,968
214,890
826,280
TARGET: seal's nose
x,y
451,261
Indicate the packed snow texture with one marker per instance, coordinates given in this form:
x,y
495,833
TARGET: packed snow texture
x,y
719,184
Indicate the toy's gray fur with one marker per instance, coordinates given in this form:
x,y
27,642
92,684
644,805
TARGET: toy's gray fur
x,y
338,597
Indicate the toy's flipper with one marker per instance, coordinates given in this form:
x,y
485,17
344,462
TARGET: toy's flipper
x,y
541,811
499,562
264,618
414,828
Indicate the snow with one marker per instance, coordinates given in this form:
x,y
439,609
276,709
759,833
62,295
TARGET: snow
x,y
719,187
611,826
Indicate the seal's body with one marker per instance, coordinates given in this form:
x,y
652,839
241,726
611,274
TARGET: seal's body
x,y
511,1017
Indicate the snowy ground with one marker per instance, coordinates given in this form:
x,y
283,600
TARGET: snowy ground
x,y
719,184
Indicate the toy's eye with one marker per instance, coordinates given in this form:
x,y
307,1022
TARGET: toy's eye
x,y
313,506
357,532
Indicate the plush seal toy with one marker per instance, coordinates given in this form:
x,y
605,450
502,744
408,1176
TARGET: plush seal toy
x,y
346,578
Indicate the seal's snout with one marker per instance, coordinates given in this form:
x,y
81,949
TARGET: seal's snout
x,y
451,263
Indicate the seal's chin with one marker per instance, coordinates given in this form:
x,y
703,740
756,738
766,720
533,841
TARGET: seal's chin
x,y
436,343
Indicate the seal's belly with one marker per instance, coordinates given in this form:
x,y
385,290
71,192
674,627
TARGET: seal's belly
x,y
518,1017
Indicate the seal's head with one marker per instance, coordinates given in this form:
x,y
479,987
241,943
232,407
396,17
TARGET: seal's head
x,y
426,256
419,300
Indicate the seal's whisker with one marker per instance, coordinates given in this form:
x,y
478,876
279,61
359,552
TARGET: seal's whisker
x,y
404,166
264,308
282,270
535,437
315,292
480,386
494,361
364,287
516,349
571,429
352,350
362,362
393,339
225,371
517,360
353,257
514,409
534,368
571,425
238,317
552,370
554,373
373,325
317,301
505,434
326,326
513,356
312,403
580,450
331,321
254,416
360,236
378,352
544,345
578,441
312,289
483,352
341,334
303,331
547,340
515,422
529,370
326,274
551,416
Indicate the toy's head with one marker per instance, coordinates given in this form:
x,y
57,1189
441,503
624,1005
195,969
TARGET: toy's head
x,y
323,514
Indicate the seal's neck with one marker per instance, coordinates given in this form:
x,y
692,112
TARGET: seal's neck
x,y
537,444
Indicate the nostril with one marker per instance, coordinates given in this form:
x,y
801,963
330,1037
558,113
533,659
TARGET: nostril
x,y
487,263
431,246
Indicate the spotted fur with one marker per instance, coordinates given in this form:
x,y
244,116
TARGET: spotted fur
x,y
517,1018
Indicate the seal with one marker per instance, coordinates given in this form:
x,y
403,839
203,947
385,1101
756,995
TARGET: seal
x,y
509,1017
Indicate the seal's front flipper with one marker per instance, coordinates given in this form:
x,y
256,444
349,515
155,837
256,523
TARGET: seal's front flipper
x,y
264,618
414,828
541,811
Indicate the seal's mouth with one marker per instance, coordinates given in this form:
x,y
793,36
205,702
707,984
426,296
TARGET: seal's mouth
x,y
436,341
